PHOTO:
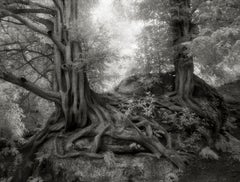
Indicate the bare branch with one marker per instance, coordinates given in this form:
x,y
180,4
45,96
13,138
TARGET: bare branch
x,y
28,62
22,82
59,7
29,10
9,44
24,21
35,28
13,22
47,23
25,2
25,49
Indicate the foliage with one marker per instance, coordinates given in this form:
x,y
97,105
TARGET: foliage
x,y
187,120
143,105
215,48
28,55
218,54
9,157
11,114
154,52
36,110
187,126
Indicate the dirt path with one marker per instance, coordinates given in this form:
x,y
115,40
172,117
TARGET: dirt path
x,y
223,170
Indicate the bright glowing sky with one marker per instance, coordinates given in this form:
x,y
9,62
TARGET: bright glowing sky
x,y
124,37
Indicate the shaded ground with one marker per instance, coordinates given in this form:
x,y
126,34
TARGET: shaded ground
x,y
231,94
225,169
231,89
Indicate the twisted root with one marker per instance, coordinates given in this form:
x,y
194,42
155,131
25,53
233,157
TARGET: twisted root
x,y
137,130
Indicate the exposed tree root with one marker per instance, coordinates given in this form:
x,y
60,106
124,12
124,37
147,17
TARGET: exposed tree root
x,y
74,154
191,103
216,115
103,120
152,144
75,136
97,139
137,130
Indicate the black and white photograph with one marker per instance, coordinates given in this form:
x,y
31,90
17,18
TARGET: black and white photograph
x,y
119,90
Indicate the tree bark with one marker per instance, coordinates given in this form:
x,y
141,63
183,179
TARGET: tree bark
x,y
183,30
22,82
181,26
81,109
72,80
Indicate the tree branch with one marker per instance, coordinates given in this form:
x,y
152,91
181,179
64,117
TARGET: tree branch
x,y
22,82
25,49
33,10
13,22
59,7
35,69
23,20
25,2
47,23
33,27
29,62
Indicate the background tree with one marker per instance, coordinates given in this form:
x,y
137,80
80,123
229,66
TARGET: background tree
x,y
213,18
155,50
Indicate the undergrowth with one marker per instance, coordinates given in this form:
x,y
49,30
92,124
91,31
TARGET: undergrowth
x,y
188,131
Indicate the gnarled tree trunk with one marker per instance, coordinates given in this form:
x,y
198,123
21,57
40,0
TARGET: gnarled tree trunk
x,y
70,67
183,31
181,27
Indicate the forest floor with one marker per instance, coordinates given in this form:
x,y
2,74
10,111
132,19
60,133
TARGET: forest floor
x,y
225,169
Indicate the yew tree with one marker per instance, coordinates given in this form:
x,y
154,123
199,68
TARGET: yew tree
x,y
179,20
80,111
183,31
